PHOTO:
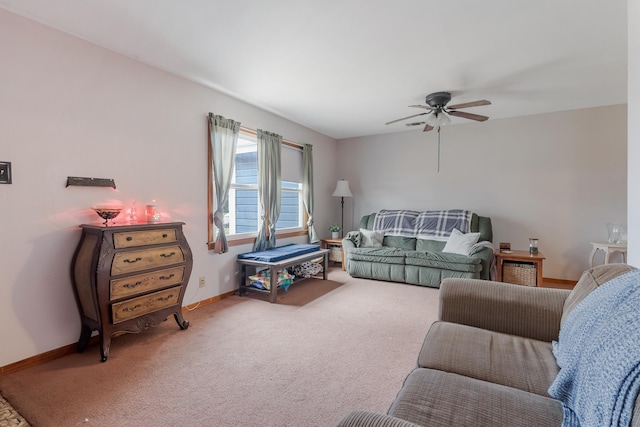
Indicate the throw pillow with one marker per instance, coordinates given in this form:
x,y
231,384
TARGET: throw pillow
x,y
460,243
354,236
371,239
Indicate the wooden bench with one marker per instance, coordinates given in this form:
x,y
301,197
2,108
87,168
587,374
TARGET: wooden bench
x,y
280,261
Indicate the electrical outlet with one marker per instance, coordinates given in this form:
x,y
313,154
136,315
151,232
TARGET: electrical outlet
x,y
202,282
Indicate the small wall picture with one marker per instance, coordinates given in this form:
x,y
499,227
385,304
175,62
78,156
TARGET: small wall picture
x,y
5,172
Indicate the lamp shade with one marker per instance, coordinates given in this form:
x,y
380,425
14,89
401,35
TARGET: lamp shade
x,y
342,189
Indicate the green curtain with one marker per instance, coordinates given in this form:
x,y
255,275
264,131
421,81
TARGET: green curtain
x,y
307,189
224,139
269,188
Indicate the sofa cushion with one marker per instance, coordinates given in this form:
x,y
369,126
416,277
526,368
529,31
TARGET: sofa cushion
x,y
386,255
512,361
432,277
400,242
377,270
589,281
422,276
444,261
426,245
360,418
435,398
460,243
485,228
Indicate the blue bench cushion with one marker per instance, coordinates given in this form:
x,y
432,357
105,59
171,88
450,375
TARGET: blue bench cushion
x,y
281,252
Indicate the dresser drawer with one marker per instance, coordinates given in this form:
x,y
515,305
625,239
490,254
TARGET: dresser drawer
x,y
132,239
130,261
136,307
140,283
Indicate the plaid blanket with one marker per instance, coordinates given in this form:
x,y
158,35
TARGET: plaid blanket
x,y
434,225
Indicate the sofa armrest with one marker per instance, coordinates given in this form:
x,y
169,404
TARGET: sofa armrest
x,y
372,419
529,312
347,245
485,255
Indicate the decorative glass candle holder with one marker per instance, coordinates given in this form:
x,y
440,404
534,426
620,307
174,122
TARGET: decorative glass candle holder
x,y
152,213
533,245
617,233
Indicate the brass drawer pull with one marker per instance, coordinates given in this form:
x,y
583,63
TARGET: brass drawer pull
x,y
132,261
167,277
167,298
167,255
132,285
134,308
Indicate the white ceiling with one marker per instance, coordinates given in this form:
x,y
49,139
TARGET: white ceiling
x,y
345,67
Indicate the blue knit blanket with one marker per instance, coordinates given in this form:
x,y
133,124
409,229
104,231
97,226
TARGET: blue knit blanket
x,y
598,352
436,225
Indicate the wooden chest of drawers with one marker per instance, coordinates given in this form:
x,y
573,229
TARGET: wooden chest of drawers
x,y
129,278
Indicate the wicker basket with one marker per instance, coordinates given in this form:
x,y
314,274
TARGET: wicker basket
x,y
519,273
335,253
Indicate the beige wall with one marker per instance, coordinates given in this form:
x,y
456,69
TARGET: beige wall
x,y
69,108
559,177
634,133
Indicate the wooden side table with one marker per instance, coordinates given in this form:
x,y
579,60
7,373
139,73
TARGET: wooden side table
x,y
520,257
335,244
608,249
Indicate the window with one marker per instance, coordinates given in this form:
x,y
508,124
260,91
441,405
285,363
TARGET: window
x,y
241,211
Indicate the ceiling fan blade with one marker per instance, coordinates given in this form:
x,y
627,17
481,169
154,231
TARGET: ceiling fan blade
x,y
405,118
470,104
468,115
427,128
426,107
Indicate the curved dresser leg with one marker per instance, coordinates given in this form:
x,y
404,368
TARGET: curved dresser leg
x,y
85,337
184,324
104,347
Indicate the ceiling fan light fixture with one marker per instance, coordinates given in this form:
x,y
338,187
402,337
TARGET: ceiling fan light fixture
x,y
432,120
444,119
438,118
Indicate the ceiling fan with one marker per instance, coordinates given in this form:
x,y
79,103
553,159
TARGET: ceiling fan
x,y
438,111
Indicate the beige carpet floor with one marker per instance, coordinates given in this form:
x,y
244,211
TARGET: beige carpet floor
x,y
326,348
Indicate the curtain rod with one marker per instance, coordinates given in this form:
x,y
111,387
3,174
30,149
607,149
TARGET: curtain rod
x,y
284,141
255,133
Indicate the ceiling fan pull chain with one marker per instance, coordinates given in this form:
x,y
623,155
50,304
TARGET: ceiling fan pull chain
x,y
438,149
